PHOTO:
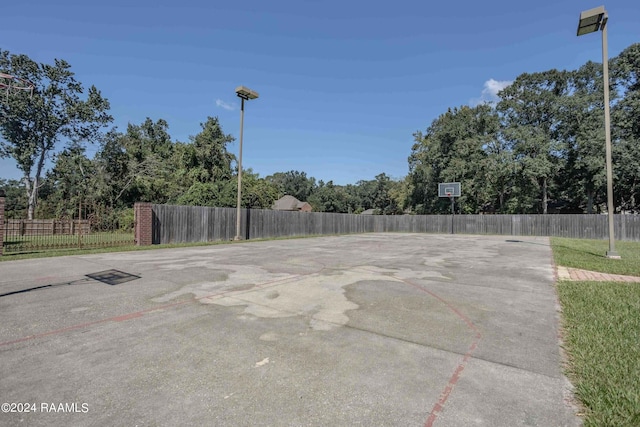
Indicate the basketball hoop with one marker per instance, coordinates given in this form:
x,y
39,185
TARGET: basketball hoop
x,y
450,190
13,83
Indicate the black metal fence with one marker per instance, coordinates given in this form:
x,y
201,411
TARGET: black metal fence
x,y
185,224
39,238
22,235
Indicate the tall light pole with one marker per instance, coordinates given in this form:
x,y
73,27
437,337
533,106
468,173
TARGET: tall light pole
x,y
593,20
245,94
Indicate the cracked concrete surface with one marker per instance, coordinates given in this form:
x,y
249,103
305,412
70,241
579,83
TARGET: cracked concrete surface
x,y
377,329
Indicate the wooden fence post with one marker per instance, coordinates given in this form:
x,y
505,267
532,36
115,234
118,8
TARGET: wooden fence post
x,y
143,217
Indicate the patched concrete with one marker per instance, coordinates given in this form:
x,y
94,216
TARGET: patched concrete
x,y
375,329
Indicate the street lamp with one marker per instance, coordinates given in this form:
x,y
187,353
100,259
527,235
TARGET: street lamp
x,y
591,21
245,94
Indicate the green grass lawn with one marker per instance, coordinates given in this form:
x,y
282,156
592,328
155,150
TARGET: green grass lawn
x,y
590,255
601,331
601,323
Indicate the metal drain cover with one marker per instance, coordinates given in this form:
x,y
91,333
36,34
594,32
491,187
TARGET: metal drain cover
x,y
112,277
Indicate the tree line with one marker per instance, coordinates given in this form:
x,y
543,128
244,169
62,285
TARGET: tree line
x,y
538,149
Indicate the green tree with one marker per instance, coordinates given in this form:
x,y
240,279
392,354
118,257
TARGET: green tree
x,y
293,183
383,200
329,198
114,169
218,194
499,176
582,131
203,167
32,126
206,158
69,183
529,110
454,149
257,193
136,165
15,198
150,149
363,194
626,129
400,194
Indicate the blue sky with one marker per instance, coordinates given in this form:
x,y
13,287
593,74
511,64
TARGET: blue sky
x,y
343,84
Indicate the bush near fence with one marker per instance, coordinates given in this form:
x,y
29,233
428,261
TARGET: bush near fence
x,y
187,224
46,227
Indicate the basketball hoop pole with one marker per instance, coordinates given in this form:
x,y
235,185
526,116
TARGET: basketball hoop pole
x,y
453,212
450,190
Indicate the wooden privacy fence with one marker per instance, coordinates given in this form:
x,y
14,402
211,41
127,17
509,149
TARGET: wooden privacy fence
x,y
186,224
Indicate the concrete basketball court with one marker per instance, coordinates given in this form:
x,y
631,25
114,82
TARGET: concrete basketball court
x,y
372,329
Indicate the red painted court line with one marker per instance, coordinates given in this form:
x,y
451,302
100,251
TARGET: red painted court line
x,y
444,396
435,411
121,318
138,314
439,406
54,332
127,317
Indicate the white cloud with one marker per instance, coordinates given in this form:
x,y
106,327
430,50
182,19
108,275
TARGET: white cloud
x,y
492,87
490,92
221,103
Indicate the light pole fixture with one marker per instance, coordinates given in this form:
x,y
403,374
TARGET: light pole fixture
x,y
244,93
593,20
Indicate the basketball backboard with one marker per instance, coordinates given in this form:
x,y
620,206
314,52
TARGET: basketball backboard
x,y
449,189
